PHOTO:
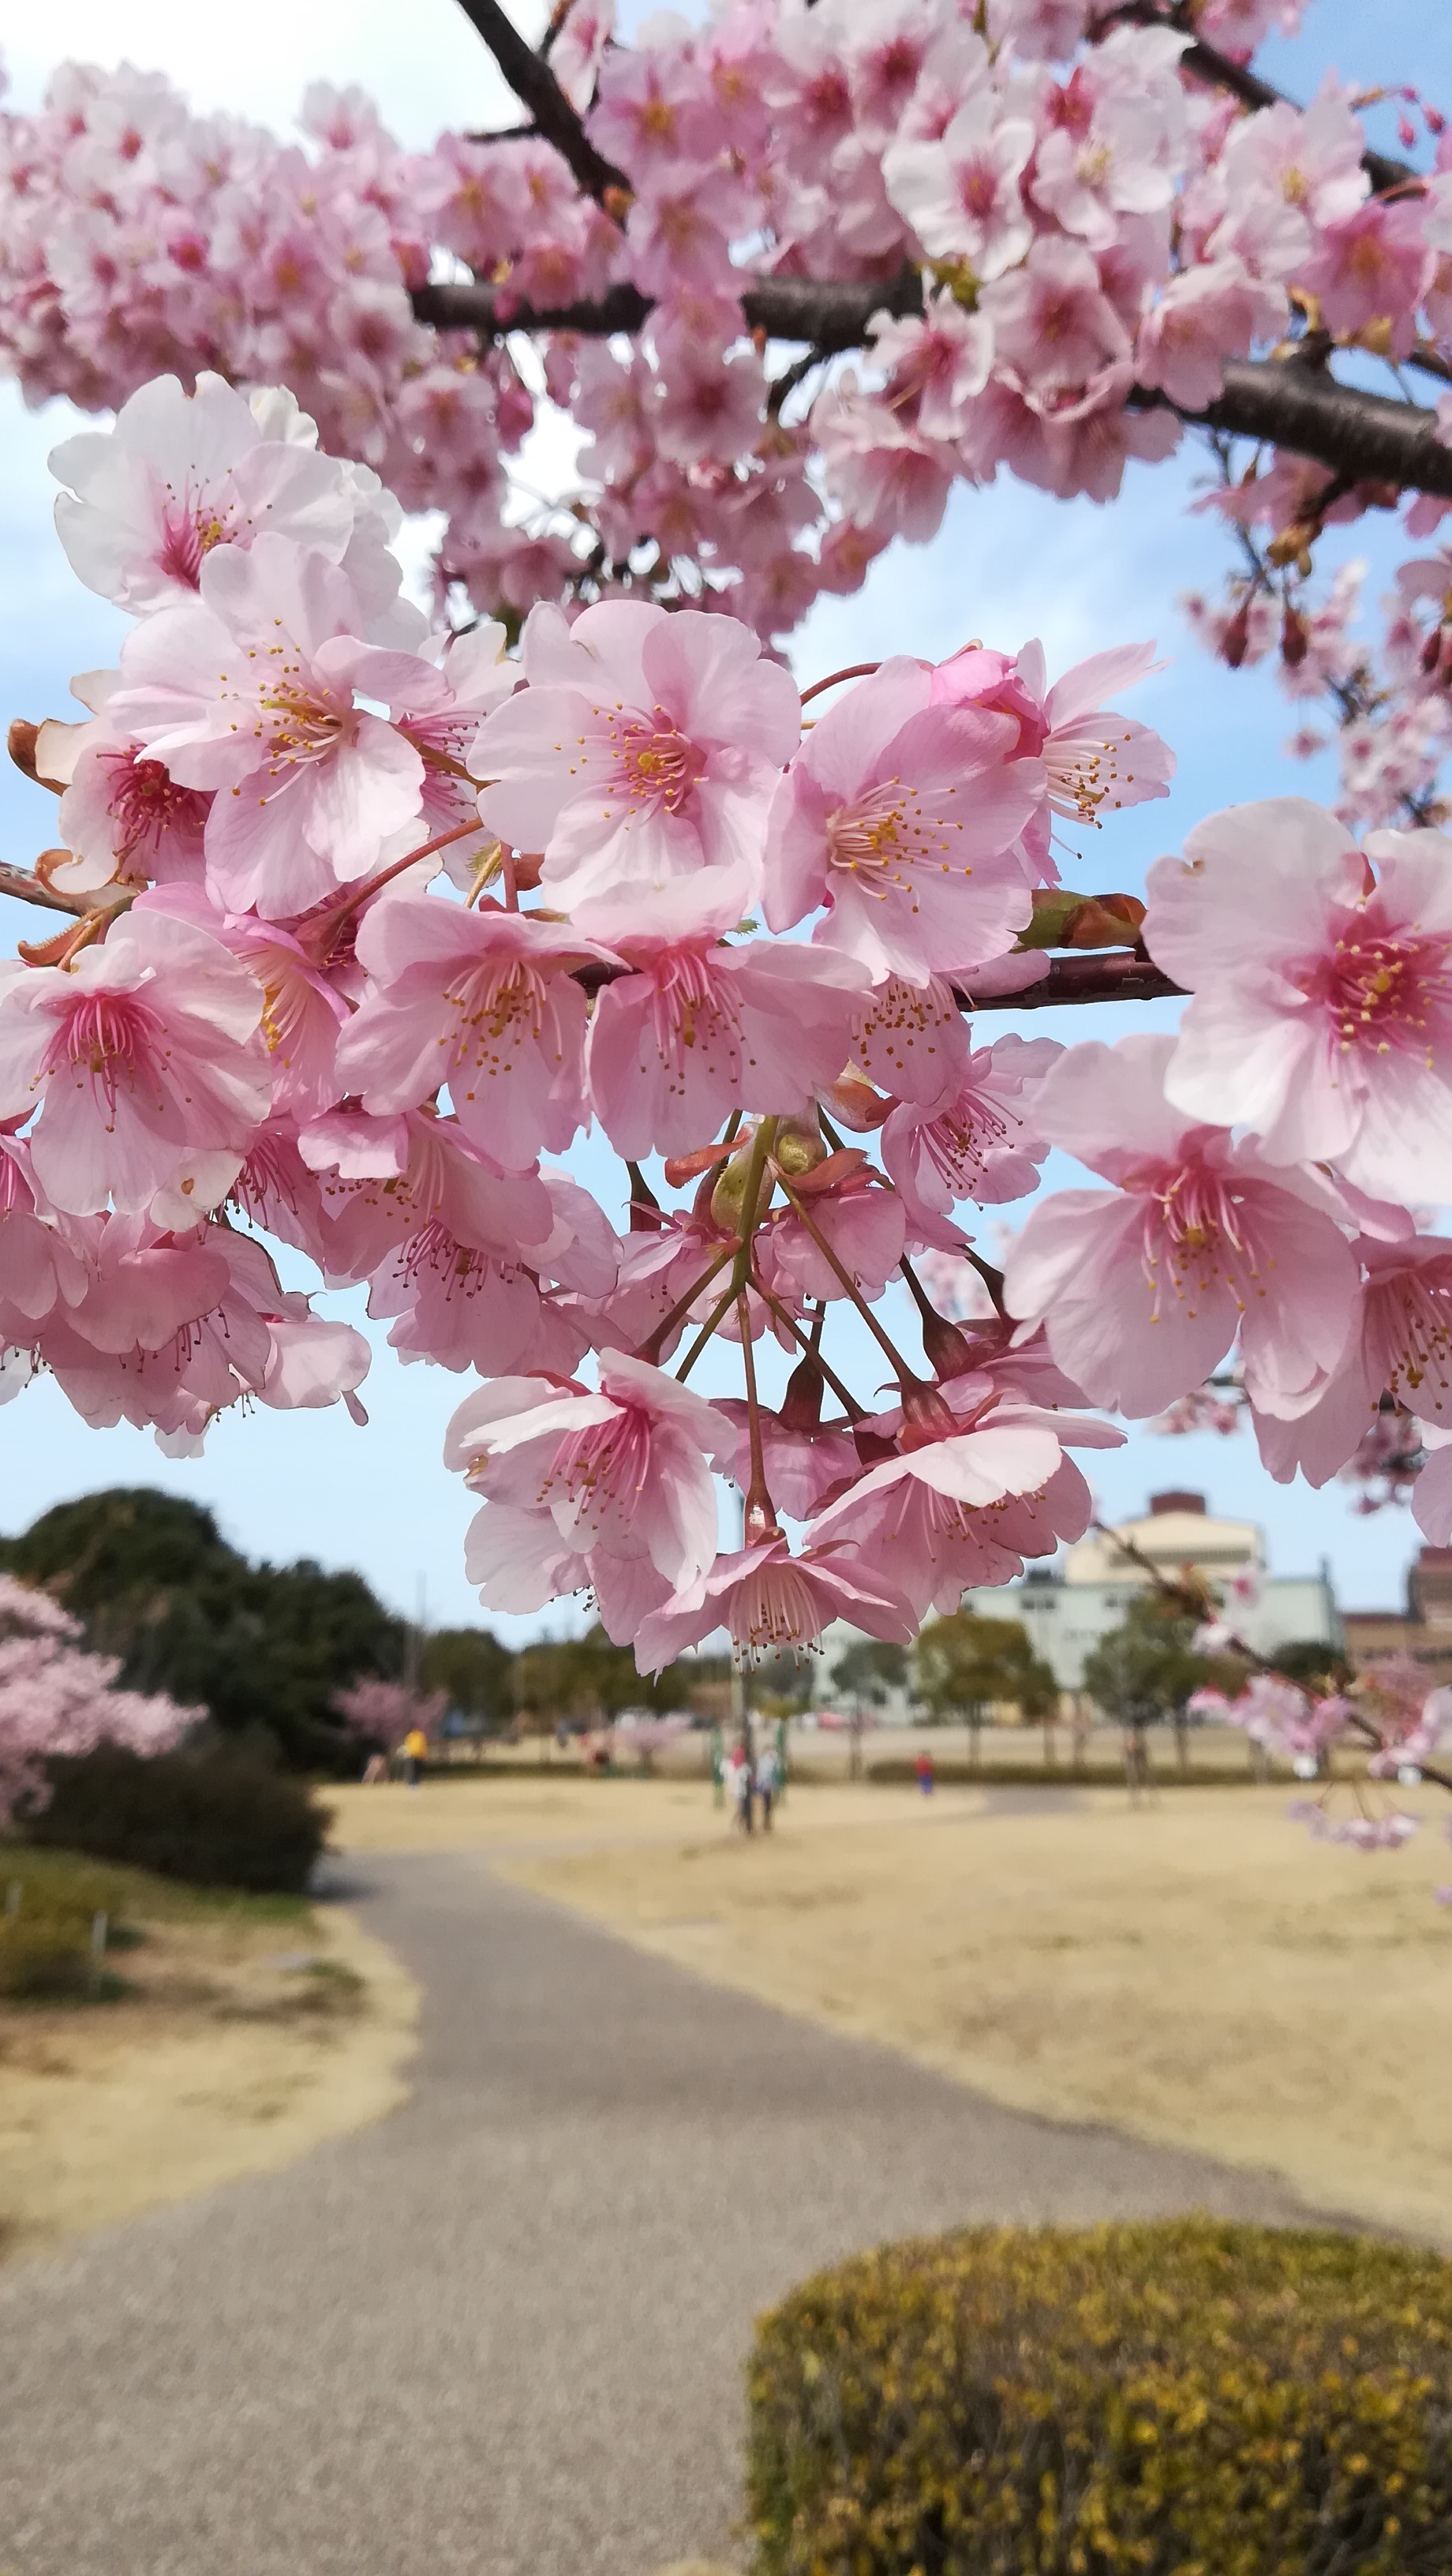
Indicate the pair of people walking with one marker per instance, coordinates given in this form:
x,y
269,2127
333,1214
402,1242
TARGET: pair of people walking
x,y
753,1783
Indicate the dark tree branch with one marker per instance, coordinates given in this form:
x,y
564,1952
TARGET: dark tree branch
x,y
1206,63
831,317
1369,438
1114,975
1109,975
532,81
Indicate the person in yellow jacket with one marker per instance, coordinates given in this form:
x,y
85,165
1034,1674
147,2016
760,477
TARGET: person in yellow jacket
x,y
415,1750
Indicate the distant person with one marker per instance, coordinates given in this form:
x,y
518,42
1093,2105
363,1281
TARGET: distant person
x,y
768,1781
415,1755
743,1787
375,1770
926,1777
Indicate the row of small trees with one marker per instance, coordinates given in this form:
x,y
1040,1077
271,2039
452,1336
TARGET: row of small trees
x,y
1141,1674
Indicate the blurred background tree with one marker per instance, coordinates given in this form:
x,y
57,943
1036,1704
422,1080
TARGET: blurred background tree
x,y
964,1665
263,1648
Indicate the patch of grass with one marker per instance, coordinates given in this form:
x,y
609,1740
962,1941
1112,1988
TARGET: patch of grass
x,y
130,1897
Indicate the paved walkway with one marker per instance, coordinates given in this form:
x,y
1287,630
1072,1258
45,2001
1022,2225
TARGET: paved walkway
x,y
501,2333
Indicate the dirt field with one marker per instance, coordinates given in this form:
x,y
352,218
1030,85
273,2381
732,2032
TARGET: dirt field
x,y
1194,1970
246,2034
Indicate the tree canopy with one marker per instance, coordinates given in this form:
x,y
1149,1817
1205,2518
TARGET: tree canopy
x,y
963,1662
263,1648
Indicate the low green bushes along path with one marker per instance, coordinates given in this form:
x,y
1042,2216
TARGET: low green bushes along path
x,y
1184,2399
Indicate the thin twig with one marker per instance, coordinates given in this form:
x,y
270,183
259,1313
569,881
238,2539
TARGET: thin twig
x,y
533,82
906,1377
854,1411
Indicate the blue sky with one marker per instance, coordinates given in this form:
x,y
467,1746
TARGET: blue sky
x,y
1009,563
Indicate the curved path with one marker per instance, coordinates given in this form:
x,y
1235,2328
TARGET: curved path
x,y
501,2333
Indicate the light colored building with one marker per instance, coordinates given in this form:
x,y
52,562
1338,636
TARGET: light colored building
x,y
1068,1606
1067,1609
1424,1630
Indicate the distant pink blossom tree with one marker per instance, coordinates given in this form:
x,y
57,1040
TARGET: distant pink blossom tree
x,y
388,1711
56,1699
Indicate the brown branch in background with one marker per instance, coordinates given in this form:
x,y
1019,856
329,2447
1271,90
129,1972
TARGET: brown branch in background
x,y
532,81
1113,975
1371,438
556,28
830,316
1206,63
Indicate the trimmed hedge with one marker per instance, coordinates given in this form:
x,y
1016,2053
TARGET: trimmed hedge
x,y
1180,2399
218,1821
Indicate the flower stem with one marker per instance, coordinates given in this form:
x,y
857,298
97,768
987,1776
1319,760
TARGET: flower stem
x,y
707,1329
848,1401
905,1376
854,671
758,1518
651,1348
761,1146
336,907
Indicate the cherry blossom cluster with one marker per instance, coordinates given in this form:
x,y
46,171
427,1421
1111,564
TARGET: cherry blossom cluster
x,y
369,922
1090,228
56,1699
383,1712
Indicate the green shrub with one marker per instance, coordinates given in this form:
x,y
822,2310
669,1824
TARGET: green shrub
x,y
219,1822
1183,2399
44,1956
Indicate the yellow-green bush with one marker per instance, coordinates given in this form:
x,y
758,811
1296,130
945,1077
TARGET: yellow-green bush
x,y
1180,2399
45,1953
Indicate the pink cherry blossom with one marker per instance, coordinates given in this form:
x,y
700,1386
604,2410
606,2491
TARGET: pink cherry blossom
x,y
180,474
978,1143
768,1601
252,690
863,1225
899,816
695,1031
960,192
674,727
1400,1346
1322,1009
911,1040
138,1051
1206,315
1095,761
624,1472
966,1507
939,363
57,1700
1143,1289
484,1001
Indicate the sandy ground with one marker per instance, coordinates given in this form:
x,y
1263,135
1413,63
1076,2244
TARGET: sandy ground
x,y
1194,1971
232,2058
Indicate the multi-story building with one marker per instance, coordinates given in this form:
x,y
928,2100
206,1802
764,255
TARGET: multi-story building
x,y
1069,1605
1423,1629
1068,1608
